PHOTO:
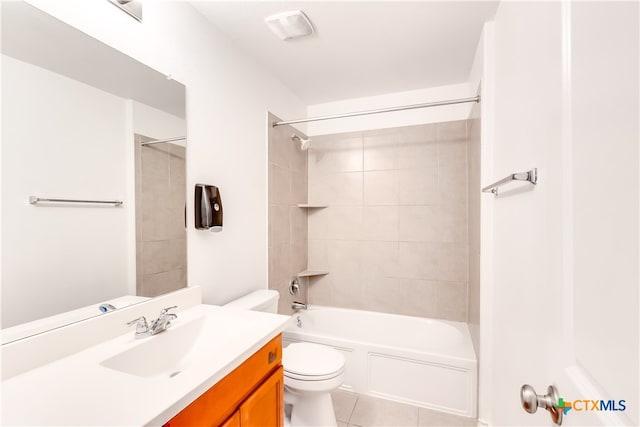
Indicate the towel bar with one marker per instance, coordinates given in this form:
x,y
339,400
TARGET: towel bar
x,y
529,176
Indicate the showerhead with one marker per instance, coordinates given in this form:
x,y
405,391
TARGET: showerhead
x,y
304,143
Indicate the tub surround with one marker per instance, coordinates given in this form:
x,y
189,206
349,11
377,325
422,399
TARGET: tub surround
x,y
394,237
287,219
95,394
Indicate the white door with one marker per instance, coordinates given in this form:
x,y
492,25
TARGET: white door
x,y
562,305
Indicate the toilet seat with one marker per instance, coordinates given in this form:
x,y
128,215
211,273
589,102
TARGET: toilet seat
x,y
312,362
313,377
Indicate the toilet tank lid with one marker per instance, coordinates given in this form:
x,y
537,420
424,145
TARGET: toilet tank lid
x,y
256,300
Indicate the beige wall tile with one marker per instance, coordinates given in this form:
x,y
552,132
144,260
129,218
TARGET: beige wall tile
x,y
298,157
279,265
160,218
320,189
345,189
418,133
455,130
299,227
384,294
179,278
453,223
418,186
298,188
299,256
417,154
279,225
280,146
176,226
418,260
452,184
178,254
279,185
158,284
156,257
452,262
452,153
347,290
452,301
318,258
345,257
380,223
319,158
320,290
156,225
381,152
474,188
392,233
421,298
381,187
380,259
318,223
345,222
418,223
346,155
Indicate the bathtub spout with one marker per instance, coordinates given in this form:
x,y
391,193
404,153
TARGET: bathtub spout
x,y
298,306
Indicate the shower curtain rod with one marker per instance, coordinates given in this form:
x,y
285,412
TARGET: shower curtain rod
x,y
158,141
380,110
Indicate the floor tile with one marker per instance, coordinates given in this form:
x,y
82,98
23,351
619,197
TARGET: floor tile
x,y
430,418
370,411
343,404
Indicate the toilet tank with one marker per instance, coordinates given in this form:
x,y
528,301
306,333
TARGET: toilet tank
x,y
262,300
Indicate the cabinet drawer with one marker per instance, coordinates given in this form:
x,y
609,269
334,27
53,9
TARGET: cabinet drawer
x,y
219,402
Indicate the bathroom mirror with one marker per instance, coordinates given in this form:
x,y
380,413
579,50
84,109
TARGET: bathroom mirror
x,y
79,121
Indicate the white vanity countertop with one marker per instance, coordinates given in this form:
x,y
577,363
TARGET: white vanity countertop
x,y
79,390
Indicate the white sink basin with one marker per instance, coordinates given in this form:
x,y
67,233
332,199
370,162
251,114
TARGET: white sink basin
x,y
166,353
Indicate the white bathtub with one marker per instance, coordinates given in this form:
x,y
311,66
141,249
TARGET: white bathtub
x,y
424,362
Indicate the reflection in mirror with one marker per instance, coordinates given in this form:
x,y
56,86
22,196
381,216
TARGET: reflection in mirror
x,y
75,113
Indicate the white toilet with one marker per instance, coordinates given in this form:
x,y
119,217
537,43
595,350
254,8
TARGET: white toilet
x,y
311,371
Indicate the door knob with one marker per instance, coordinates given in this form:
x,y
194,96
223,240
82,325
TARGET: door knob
x,y
532,401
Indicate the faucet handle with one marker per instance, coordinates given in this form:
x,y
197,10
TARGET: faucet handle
x,y
166,310
141,324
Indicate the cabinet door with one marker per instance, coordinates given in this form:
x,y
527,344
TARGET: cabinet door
x,y
264,408
233,421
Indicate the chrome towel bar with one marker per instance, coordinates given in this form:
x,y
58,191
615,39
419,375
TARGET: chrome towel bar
x,y
35,200
529,176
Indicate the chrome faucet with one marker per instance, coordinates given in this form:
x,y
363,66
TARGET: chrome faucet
x,y
298,306
161,324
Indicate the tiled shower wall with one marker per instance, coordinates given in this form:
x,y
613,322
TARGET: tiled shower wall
x,y
474,126
394,234
161,250
287,221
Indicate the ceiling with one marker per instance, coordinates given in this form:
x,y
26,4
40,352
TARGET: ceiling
x,y
361,48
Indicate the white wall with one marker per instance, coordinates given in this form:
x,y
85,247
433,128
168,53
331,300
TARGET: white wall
x,y
390,120
61,138
227,98
154,123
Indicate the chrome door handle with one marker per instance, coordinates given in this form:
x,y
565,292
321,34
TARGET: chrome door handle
x,y
532,401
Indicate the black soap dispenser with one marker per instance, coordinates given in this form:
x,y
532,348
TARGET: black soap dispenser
x,y
208,208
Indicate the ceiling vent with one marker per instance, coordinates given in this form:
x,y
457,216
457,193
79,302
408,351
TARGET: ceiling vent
x,y
290,25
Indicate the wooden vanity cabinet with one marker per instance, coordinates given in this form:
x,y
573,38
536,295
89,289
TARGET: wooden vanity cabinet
x,y
250,396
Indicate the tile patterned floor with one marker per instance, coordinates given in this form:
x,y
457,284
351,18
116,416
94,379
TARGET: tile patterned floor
x,y
353,410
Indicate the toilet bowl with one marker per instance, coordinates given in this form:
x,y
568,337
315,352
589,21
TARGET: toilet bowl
x,y
311,371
